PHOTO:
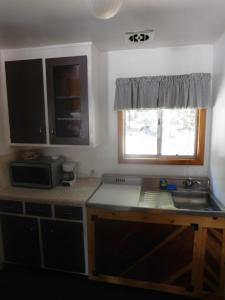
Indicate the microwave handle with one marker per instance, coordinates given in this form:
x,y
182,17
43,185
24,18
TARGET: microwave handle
x,y
21,164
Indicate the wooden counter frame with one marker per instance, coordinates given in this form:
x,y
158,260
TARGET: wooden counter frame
x,y
159,217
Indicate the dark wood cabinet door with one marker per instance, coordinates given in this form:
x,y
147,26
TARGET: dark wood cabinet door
x,y
63,245
68,100
20,240
26,101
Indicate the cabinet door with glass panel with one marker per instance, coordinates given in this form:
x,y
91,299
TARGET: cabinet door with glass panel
x,y
68,100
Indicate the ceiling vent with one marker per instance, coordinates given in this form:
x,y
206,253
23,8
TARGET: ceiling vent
x,y
139,37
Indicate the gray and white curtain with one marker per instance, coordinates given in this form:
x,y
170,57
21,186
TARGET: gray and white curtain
x,y
180,91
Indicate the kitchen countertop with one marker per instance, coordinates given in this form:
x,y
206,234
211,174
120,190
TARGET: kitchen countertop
x,y
128,198
77,195
157,200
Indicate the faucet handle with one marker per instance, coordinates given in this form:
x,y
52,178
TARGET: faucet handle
x,y
189,182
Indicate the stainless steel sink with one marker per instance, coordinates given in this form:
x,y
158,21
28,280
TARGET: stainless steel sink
x,y
194,200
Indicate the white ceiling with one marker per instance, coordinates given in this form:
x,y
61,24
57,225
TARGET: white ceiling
x,y
27,23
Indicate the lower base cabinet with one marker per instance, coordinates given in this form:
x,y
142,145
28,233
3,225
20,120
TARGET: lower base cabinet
x,y
63,245
158,253
39,241
20,240
179,254
213,260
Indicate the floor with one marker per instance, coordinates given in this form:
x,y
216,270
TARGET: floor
x,y
21,283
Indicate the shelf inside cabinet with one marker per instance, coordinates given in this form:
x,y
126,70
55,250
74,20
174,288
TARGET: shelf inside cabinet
x,y
68,119
67,97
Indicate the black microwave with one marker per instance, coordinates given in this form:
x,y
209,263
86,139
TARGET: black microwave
x,y
44,173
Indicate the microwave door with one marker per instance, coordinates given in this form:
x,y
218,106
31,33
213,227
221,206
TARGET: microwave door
x,y
38,176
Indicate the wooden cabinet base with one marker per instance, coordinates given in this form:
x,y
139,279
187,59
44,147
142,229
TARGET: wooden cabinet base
x,y
156,287
176,254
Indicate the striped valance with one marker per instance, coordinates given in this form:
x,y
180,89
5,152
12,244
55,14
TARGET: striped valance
x,y
179,91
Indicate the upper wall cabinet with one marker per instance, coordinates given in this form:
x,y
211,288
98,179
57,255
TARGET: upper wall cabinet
x,y
54,95
26,101
68,100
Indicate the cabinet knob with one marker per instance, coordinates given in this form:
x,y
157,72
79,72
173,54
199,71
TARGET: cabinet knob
x,y
40,130
81,133
52,131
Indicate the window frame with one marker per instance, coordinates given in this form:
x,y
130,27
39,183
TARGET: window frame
x,y
164,160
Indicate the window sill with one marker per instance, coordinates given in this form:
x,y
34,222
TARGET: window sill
x,y
162,161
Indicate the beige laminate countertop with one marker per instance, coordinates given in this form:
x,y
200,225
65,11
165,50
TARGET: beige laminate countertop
x,y
76,195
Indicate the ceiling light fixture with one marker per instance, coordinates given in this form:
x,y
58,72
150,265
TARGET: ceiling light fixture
x,y
104,9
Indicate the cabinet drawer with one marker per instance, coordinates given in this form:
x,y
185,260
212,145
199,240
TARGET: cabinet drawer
x,y
68,212
38,209
10,206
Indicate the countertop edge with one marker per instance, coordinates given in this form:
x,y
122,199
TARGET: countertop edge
x,y
213,214
9,193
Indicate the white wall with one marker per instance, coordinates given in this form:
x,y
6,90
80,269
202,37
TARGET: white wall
x,y
3,132
217,155
130,63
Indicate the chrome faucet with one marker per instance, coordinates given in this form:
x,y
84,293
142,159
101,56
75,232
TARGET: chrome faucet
x,y
189,183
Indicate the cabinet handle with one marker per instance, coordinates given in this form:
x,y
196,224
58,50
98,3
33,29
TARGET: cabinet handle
x,y
52,131
40,130
81,133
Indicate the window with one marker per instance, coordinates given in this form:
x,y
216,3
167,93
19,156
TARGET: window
x,y
164,136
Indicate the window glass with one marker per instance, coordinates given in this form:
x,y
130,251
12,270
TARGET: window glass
x,y
141,132
166,132
162,136
178,132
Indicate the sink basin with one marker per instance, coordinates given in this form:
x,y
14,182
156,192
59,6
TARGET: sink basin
x,y
194,200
